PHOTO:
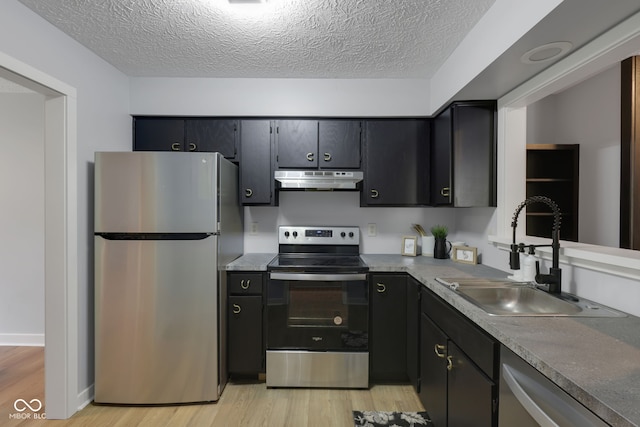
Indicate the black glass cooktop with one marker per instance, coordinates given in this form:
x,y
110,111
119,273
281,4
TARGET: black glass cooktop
x,y
315,262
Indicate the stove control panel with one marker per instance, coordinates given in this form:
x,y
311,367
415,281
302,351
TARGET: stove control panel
x,y
318,235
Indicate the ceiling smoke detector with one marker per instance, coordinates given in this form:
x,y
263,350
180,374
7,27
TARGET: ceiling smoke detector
x,y
546,52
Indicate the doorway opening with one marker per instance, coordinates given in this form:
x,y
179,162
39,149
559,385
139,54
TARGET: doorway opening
x,y
60,234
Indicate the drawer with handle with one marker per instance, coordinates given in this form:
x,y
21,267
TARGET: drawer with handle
x,y
245,283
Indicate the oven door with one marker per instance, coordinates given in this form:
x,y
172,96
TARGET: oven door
x,y
315,311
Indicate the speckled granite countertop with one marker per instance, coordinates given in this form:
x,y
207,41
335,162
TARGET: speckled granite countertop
x,y
251,262
595,360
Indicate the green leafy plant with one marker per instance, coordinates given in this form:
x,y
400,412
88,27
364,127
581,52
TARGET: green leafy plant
x,y
439,231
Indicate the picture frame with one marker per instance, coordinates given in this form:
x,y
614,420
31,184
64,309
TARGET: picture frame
x,y
409,246
465,254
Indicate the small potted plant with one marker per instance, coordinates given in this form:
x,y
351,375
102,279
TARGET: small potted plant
x,y
439,231
440,249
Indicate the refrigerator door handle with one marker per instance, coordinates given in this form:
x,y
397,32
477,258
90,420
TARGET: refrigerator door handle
x,y
155,236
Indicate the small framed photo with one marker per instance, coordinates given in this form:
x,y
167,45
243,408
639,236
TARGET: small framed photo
x,y
465,254
409,246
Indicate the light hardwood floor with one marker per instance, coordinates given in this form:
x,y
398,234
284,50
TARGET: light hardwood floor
x,y
241,404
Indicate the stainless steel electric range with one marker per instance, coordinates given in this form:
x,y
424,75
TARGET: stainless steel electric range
x,y
318,310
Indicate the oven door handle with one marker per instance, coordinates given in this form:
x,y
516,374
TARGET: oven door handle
x,y
315,277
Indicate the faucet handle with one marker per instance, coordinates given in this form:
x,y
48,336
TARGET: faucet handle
x,y
514,258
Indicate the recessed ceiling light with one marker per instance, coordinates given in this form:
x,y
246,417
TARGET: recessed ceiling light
x,y
546,52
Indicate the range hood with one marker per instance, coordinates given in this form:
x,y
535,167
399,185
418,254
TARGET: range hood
x,y
318,180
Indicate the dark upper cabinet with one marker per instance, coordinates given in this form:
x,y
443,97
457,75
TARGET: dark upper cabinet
x,y
219,135
297,144
339,144
463,159
318,144
396,162
185,134
388,336
158,134
256,176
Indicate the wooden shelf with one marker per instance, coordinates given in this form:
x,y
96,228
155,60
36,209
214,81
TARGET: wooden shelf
x,y
552,171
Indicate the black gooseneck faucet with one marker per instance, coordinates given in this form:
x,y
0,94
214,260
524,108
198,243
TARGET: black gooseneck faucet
x,y
554,278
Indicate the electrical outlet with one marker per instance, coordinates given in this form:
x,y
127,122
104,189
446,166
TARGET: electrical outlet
x,y
254,228
372,230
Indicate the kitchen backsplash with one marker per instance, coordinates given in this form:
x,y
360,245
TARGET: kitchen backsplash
x,y
338,208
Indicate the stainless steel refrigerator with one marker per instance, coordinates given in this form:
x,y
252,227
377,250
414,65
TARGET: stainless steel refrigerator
x,y
165,224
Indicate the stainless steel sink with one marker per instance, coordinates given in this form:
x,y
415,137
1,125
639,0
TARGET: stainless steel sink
x,y
504,298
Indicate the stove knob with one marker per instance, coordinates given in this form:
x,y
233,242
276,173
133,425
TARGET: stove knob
x,y
286,234
295,234
351,234
342,234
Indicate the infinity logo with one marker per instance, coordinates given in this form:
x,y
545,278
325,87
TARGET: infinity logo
x,y
24,405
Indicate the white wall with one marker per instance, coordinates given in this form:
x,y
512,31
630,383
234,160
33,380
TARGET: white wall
x,y
588,114
280,97
103,124
339,208
22,219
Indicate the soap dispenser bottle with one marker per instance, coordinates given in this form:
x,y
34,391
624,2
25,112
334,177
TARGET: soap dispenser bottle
x,y
529,271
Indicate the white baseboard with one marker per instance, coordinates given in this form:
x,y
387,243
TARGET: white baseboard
x,y
17,340
85,397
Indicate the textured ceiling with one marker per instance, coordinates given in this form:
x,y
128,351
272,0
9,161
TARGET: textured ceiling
x,y
282,38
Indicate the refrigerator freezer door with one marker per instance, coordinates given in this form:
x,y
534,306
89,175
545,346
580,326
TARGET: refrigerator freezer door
x,y
156,315
149,192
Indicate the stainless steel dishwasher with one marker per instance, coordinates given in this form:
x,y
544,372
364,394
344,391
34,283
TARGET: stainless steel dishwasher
x,y
528,398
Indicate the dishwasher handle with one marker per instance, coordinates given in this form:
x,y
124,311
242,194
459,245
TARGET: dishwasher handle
x,y
525,400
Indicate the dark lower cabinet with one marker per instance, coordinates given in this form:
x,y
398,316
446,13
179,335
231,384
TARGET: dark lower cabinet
x,y
245,335
413,332
433,370
388,333
459,367
245,324
471,396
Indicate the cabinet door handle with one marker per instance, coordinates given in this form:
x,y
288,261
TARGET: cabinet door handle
x,y
236,309
245,285
248,192
310,157
192,146
374,194
444,192
175,146
327,157
449,363
438,348
381,288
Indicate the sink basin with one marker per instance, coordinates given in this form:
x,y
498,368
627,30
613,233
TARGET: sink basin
x,y
504,298
517,300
